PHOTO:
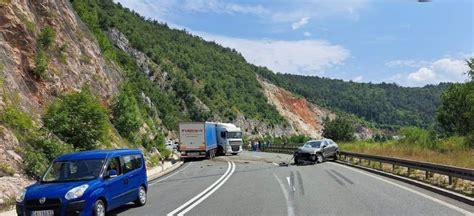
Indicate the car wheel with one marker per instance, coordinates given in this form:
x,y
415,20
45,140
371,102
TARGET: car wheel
x,y
99,208
296,161
319,158
336,156
141,200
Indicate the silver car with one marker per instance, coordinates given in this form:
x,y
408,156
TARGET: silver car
x,y
316,151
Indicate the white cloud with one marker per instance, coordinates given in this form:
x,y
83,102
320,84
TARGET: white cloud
x,y
430,72
217,6
307,34
422,75
358,78
319,9
300,23
309,57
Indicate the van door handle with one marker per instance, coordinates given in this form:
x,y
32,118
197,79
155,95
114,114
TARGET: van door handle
x,y
125,181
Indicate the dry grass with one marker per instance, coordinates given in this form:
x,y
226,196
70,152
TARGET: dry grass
x,y
450,151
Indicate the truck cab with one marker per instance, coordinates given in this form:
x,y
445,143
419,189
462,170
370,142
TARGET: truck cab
x,y
229,138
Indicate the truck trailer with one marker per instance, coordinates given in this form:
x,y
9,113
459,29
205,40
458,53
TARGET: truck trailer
x,y
205,139
197,140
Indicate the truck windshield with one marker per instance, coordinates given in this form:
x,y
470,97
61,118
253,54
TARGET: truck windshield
x,y
77,170
234,135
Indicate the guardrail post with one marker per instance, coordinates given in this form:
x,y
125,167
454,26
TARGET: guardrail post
x,y
450,180
427,175
408,171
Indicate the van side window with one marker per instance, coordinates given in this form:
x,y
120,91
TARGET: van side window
x,y
131,162
114,164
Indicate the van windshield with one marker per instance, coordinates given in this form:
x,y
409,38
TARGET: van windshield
x,y
76,170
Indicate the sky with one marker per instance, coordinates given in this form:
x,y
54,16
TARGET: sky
x,y
395,41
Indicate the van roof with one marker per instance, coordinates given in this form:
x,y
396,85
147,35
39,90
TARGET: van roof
x,y
97,154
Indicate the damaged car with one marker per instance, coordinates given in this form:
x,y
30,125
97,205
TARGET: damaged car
x,y
316,151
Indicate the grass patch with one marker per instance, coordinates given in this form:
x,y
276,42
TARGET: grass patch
x,y
448,151
8,204
7,169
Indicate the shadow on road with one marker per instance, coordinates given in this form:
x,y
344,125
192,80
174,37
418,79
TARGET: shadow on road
x,y
121,209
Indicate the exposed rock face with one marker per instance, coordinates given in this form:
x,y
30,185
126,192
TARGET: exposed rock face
x,y
304,117
251,127
147,66
74,56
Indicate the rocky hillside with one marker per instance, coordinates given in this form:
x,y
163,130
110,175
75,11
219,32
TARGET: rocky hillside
x,y
304,117
71,61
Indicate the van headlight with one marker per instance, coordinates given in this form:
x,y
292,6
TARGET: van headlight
x,y
21,196
76,192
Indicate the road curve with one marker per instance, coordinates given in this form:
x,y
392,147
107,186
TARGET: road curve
x,y
252,184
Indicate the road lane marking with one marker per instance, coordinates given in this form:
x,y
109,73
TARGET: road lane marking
x,y
275,164
229,167
289,203
210,192
451,206
169,176
289,184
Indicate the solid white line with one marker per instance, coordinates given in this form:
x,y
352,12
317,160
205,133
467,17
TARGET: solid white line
x,y
229,165
169,176
210,192
453,207
289,204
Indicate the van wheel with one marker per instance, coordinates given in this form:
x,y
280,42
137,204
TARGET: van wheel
x,y
99,208
141,200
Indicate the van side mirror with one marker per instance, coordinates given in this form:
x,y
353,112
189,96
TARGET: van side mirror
x,y
111,174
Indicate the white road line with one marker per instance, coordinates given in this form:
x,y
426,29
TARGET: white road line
x,y
453,207
289,204
210,192
229,166
185,166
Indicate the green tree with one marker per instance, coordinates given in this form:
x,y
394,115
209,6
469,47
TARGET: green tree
x,y
79,119
339,129
126,113
456,113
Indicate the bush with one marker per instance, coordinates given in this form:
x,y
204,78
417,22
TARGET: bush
x,y
78,119
46,37
35,162
339,129
41,65
419,137
17,120
126,114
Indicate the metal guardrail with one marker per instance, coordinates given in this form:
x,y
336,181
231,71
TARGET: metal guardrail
x,y
428,168
450,171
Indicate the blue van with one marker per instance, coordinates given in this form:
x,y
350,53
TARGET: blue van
x,y
87,183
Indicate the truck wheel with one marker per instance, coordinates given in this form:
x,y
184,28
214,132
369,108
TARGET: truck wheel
x,y
141,199
220,151
235,153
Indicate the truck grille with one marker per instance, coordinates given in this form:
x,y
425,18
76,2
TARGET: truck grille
x,y
235,143
235,147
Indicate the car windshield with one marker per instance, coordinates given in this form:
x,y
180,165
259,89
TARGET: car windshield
x,y
312,144
234,135
76,170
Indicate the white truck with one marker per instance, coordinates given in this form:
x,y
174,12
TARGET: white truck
x,y
229,139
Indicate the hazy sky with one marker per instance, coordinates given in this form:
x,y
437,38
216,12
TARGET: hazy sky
x,y
402,41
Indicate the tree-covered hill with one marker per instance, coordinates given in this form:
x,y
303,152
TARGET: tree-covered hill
x,y
386,104
219,77
227,84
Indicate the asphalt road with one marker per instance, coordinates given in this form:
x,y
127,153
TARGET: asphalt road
x,y
253,184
